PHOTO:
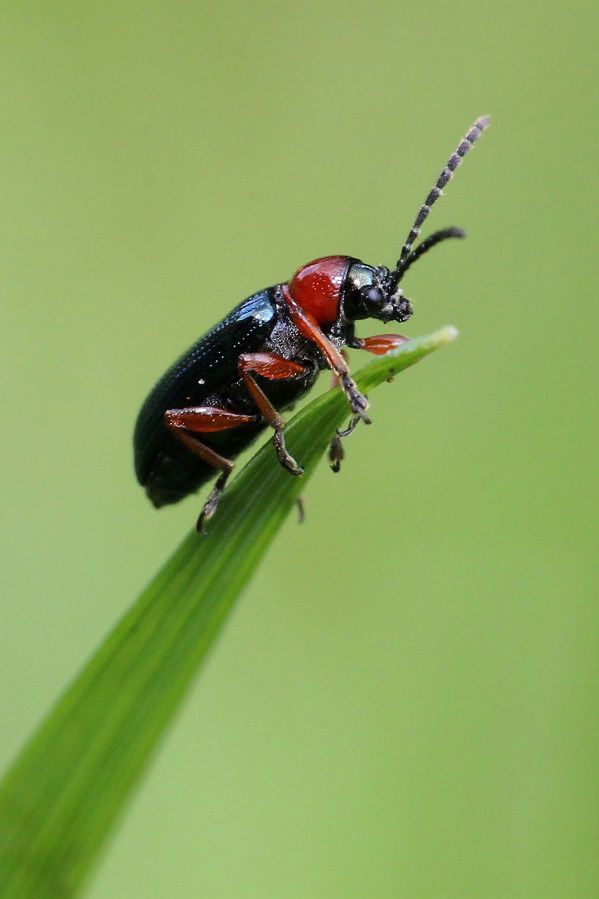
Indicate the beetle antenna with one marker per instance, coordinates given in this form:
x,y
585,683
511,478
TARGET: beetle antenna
x,y
431,241
407,256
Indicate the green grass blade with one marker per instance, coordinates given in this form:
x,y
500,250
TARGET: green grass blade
x,y
65,790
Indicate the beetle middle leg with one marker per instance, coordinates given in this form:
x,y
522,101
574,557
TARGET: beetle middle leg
x,y
336,451
185,423
275,368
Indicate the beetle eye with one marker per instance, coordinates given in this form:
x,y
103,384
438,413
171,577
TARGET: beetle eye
x,y
373,296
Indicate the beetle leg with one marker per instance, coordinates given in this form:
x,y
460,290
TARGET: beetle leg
x,y
301,510
379,344
336,451
275,368
335,377
185,423
309,327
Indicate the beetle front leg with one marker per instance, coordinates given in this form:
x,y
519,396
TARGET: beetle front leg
x,y
358,402
275,368
309,327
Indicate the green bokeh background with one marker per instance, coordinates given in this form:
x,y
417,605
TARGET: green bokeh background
x,y
405,701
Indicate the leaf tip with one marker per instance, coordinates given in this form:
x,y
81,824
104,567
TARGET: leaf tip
x,y
444,336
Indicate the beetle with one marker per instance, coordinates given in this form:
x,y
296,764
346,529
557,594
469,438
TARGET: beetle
x,y
267,353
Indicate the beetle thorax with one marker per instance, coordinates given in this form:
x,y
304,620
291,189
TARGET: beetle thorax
x,y
317,287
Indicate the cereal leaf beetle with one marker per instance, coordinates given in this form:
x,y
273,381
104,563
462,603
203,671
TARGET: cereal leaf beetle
x,y
267,353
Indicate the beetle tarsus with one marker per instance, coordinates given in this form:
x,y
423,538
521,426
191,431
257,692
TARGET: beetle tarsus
x,y
211,503
301,510
357,401
353,424
284,456
336,451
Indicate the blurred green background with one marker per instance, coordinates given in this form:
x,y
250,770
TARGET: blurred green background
x,y
405,701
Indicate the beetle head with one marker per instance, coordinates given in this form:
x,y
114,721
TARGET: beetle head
x,y
369,294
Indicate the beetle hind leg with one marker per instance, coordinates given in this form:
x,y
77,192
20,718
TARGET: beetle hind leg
x,y
211,504
184,424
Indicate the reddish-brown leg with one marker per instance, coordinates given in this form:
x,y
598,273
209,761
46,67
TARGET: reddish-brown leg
x,y
379,344
275,368
309,327
185,423
335,378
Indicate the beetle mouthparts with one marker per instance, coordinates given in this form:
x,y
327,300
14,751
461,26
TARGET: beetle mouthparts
x,y
402,309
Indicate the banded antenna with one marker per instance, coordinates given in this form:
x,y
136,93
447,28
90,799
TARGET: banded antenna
x,y
409,256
